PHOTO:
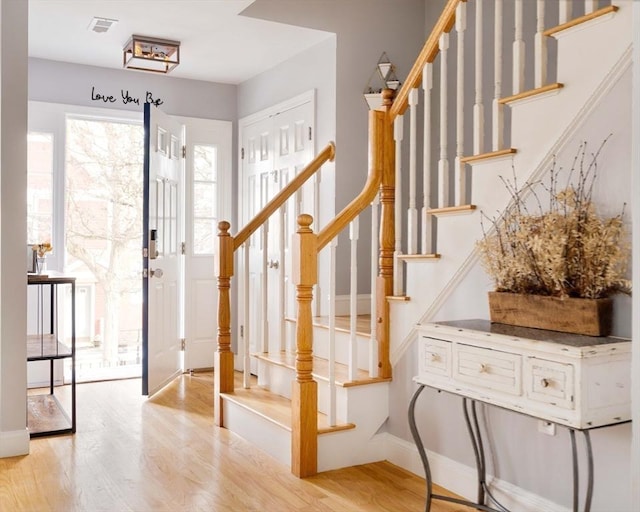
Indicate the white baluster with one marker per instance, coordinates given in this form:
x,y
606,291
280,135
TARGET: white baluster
x,y
590,6
373,345
264,296
398,135
518,50
540,45
246,334
353,300
443,163
281,280
566,11
427,85
497,107
478,108
412,212
332,333
460,182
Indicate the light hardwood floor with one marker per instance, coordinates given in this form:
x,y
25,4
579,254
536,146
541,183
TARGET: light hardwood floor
x,y
165,454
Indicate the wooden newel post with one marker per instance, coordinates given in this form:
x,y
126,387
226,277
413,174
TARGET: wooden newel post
x,y
382,155
223,374
304,396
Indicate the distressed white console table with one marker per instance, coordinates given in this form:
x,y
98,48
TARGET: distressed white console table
x,y
579,382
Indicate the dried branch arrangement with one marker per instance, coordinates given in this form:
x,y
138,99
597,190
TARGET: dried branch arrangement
x,y
567,250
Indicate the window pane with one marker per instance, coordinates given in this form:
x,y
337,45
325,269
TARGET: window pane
x,y
39,187
204,200
204,236
204,163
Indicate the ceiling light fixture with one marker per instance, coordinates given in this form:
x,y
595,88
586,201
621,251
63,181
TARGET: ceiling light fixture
x,y
101,25
151,54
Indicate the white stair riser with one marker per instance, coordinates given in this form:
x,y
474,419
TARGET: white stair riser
x,y
321,345
268,436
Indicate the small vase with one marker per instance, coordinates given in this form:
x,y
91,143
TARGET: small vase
x,y
41,265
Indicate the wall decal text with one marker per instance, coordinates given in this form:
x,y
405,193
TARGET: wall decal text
x,y
125,97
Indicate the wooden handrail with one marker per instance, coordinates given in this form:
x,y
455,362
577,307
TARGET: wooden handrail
x,y
358,204
327,154
427,54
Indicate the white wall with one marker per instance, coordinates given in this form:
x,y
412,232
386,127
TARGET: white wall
x,y
364,29
14,438
63,82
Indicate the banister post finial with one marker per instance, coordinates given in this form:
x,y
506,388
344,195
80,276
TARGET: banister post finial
x,y
388,96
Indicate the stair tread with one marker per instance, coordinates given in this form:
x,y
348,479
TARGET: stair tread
x,y
581,19
489,155
363,323
431,256
276,408
321,369
530,93
465,208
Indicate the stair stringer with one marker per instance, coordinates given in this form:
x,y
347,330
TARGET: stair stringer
x,y
575,103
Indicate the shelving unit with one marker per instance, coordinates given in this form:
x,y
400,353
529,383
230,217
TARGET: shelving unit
x,y
45,413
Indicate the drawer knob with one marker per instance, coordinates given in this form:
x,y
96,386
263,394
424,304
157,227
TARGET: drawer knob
x,y
435,357
544,383
483,368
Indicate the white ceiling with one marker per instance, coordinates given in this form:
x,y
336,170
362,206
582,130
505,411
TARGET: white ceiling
x,y
218,44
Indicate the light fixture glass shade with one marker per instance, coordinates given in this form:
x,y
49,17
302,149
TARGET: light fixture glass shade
x,y
151,54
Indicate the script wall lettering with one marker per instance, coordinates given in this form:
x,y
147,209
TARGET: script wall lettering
x,y
124,97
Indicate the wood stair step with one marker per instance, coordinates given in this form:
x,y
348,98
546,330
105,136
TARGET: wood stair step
x,y
530,93
488,156
414,257
321,369
581,19
276,408
450,210
398,298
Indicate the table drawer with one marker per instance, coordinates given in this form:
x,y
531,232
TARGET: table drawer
x,y
549,382
434,357
487,368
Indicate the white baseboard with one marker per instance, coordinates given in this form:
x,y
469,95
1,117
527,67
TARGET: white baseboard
x,y
363,304
14,443
461,479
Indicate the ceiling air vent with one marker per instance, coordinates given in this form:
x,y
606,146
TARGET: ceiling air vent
x,y
101,25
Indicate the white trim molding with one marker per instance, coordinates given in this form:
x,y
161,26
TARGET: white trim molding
x,y
14,443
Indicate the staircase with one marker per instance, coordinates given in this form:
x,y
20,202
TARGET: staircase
x,y
316,399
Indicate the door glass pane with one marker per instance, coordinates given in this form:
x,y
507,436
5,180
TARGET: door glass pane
x,y
39,187
103,238
205,199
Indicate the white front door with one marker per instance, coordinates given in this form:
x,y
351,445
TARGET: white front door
x,y
276,144
163,168
207,194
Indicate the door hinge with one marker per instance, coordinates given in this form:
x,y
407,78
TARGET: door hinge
x,y
242,331
183,343
242,154
310,131
183,248
184,151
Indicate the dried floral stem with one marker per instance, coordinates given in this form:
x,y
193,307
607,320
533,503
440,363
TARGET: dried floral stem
x,y
567,251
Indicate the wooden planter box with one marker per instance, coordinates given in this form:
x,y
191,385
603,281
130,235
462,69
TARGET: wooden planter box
x,y
578,316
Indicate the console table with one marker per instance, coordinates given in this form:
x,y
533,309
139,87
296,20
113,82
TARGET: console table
x,y
46,416
579,382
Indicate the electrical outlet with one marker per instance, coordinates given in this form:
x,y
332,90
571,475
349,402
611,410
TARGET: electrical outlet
x,y
546,427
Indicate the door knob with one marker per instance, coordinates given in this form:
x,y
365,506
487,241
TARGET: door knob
x,y
156,272
273,264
